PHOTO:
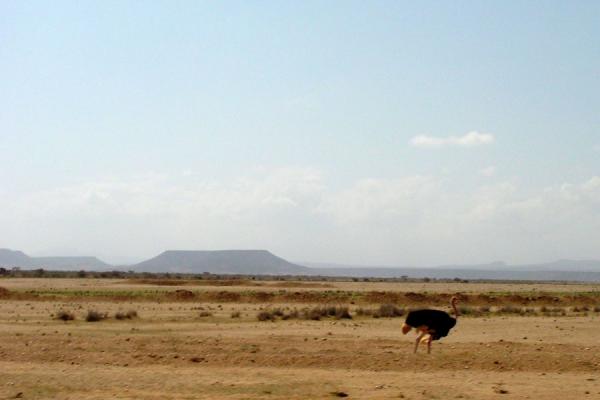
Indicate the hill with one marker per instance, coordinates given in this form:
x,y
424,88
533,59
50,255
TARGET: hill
x,y
262,262
251,262
14,258
562,270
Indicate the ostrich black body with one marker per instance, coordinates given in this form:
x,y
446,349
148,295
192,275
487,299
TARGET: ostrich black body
x,y
438,322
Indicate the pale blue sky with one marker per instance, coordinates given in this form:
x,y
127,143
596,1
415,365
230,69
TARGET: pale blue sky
x,y
206,105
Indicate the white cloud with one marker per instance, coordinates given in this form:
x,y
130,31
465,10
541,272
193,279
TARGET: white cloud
x,y
411,220
488,171
470,139
372,200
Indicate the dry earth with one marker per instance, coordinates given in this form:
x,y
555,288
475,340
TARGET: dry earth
x,y
170,352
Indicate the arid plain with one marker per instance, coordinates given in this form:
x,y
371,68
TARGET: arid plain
x,y
198,339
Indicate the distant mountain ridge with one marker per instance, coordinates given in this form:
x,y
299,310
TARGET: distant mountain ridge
x,y
253,262
561,270
262,262
15,258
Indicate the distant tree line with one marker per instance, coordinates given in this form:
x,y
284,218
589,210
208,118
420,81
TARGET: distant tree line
x,y
16,272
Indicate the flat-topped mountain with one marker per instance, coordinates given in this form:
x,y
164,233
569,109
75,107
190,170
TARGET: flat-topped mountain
x,y
14,258
262,262
250,262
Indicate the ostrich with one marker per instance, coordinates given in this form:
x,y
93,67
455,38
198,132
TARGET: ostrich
x,y
434,323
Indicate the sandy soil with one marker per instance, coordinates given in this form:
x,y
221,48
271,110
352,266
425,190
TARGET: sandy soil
x,y
431,287
170,352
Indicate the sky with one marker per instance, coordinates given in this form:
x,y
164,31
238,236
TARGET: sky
x,y
368,133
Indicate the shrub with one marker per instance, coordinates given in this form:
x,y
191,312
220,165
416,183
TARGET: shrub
x,y
388,311
4,292
466,310
65,315
509,309
131,314
265,316
294,314
365,312
315,313
278,312
551,310
94,316
203,314
235,314
525,311
342,313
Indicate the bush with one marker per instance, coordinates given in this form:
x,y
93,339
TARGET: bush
x,y
235,314
278,312
315,313
131,314
466,310
388,311
551,310
65,315
265,316
527,310
95,316
342,313
294,314
203,314
364,311
509,309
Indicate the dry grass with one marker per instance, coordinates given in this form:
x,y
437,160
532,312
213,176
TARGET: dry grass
x,y
524,350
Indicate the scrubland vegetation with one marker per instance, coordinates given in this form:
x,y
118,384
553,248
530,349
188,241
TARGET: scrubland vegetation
x,y
93,338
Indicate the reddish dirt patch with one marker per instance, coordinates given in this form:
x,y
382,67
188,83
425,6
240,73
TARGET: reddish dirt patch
x,y
182,294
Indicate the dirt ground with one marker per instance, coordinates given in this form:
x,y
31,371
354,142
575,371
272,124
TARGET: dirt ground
x,y
171,352
431,287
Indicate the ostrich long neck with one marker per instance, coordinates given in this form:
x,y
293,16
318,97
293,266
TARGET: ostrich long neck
x,y
453,303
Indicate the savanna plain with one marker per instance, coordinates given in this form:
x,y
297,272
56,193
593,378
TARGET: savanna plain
x,y
90,338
